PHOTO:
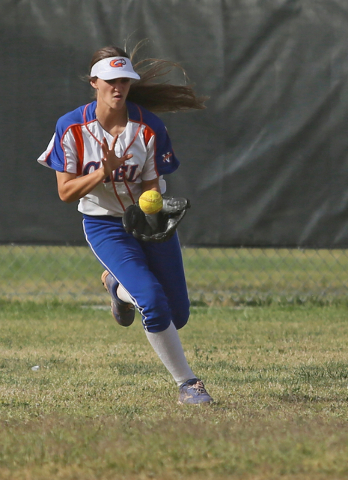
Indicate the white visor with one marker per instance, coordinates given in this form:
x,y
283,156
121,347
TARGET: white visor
x,y
114,67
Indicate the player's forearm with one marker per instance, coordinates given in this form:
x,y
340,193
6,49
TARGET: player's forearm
x,y
72,188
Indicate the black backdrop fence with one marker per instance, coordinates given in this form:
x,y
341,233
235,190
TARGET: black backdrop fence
x,y
266,164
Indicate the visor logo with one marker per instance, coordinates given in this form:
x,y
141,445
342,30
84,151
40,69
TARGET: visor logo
x,y
120,62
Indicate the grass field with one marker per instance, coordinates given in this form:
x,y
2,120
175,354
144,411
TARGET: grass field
x,y
220,276
101,405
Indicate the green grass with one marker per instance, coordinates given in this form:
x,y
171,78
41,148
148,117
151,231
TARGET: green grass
x,y
238,276
102,406
261,276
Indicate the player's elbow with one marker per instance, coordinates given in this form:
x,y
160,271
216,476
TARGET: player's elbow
x,y
66,187
65,197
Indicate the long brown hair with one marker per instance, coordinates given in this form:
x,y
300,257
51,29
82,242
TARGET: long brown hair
x,y
156,96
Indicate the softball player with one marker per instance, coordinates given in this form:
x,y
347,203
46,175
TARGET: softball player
x,y
105,155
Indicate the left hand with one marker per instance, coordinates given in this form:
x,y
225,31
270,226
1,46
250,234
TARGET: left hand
x,y
166,221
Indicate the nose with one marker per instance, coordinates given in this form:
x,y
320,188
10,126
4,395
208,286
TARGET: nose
x,y
118,86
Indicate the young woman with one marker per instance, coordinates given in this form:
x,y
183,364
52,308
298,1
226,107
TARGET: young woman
x,y
106,154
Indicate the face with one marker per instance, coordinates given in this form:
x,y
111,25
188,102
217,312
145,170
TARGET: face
x,y
112,93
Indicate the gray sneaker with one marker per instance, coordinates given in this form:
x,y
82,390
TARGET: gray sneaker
x,y
122,312
193,392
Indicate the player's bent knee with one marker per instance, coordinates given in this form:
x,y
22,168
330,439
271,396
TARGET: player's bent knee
x,y
157,313
180,320
156,317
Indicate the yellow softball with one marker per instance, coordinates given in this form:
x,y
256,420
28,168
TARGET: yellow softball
x,y
151,202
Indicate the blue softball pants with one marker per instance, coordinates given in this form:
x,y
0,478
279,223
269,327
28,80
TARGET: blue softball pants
x,y
152,273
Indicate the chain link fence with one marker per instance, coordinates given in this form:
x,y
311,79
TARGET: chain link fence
x,y
215,276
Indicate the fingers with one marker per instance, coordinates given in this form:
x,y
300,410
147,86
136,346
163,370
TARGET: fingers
x,y
105,147
124,158
110,160
113,143
108,153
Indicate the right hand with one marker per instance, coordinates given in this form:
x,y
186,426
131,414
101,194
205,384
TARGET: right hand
x,y
110,160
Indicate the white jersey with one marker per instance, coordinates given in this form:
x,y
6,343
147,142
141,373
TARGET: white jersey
x,y
76,148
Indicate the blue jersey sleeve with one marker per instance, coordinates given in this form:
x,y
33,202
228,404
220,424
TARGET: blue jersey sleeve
x,y
55,158
165,159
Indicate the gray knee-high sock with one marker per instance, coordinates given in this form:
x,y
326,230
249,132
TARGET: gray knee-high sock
x,y
168,347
